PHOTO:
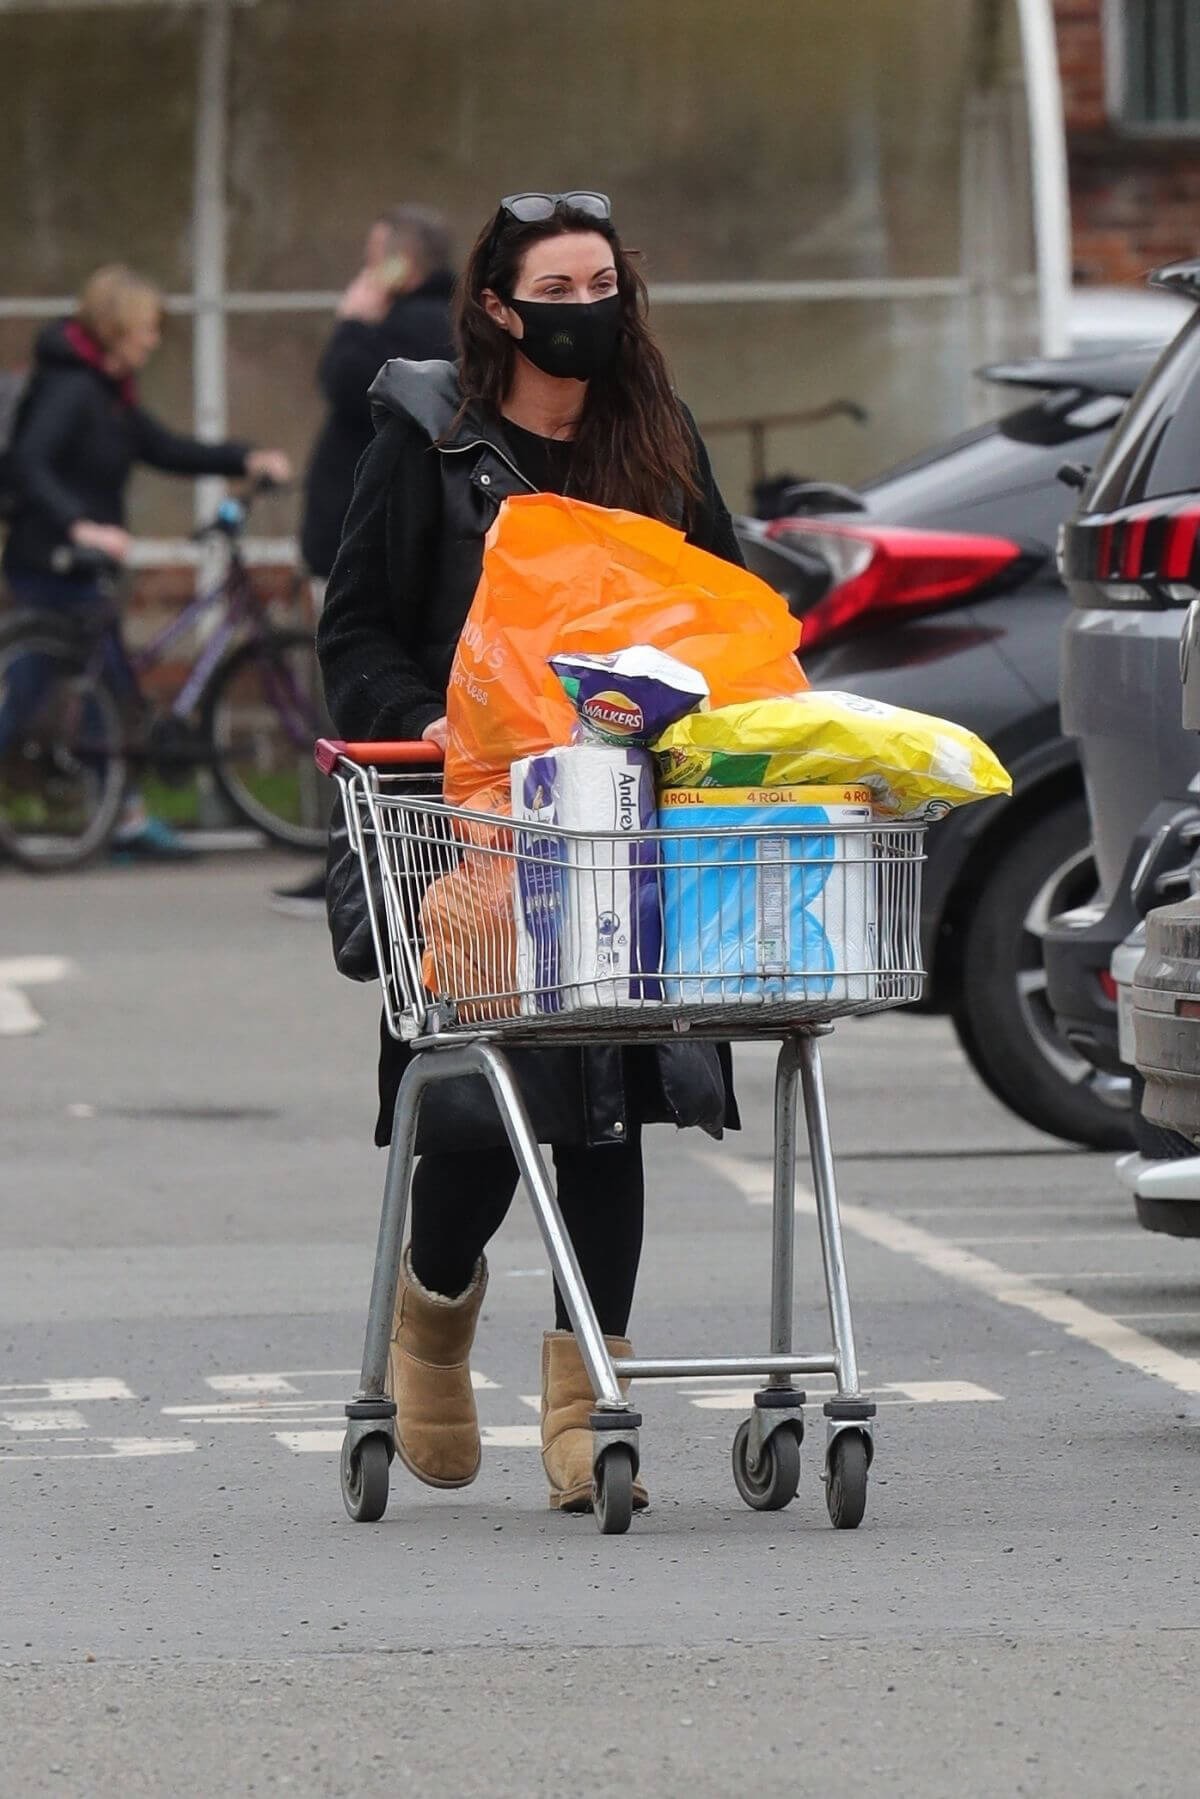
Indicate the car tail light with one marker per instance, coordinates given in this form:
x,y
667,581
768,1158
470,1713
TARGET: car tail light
x,y
1147,557
891,569
1108,985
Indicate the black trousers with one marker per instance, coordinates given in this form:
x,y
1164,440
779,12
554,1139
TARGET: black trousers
x,y
459,1201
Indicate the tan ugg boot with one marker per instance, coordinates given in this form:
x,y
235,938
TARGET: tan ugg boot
x,y
436,1428
567,1439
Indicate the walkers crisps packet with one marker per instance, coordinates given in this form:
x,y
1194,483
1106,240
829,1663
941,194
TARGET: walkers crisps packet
x,y
916,766
562,576
628,696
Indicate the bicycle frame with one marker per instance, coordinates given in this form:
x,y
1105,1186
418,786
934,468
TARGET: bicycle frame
x,y
235,591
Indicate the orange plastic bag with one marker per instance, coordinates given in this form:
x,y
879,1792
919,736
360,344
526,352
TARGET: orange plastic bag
x,y
469,926
562,575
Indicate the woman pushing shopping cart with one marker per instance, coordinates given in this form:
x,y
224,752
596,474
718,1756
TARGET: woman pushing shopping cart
x,y
489,1049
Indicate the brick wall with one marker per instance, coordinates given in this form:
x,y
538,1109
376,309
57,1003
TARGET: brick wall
x,y
1135,202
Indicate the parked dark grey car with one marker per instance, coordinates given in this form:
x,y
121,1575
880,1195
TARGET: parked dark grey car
x,y
935,586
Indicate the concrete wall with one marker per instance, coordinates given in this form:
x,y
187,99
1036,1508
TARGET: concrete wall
x,y
772,142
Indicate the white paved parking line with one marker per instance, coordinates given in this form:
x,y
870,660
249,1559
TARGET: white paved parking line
x,y
69,1392
250,1383
44,1421
931,1392
118,1448
955,1262
18,1017
329,1442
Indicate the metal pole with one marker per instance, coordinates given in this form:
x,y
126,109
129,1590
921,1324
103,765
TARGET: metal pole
x,y
828,1217
559,1247
391,1229
783,1208
1048,164
209,232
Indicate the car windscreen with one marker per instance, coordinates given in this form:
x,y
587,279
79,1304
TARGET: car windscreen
x,y
1155,451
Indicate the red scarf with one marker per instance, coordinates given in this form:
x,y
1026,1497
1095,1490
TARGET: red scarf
x,y
89,349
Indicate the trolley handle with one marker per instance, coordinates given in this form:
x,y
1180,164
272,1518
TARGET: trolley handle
x,y
331,750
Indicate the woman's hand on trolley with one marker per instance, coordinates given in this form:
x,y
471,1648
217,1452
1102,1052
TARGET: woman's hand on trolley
x,y
435,732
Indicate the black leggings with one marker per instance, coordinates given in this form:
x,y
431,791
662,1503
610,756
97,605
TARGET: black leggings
x,y
459,1202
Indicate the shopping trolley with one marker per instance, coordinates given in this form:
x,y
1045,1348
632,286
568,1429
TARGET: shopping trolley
x,y
491,933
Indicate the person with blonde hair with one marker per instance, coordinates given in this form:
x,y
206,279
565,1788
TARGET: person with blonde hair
x,y
80,431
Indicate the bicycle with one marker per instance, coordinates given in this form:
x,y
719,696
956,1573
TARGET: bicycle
x,y
76,725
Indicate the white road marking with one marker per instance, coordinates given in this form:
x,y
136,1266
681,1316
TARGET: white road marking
x,y
118,1448
250,1383
329,1442
70,1392
46,1421
257,1410
931,1392
940,1392
311,1442
18,1017
1193,1314
955,1262
1130,1234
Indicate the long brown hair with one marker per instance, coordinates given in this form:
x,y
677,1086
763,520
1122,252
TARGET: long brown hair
x,y
633,447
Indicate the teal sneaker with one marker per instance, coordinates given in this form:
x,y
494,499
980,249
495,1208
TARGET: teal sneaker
x,y
150,838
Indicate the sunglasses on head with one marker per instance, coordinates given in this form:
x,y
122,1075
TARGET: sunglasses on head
x,y
532,209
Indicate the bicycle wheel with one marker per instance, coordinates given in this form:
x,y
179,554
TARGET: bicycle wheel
x,y
62,771
262,713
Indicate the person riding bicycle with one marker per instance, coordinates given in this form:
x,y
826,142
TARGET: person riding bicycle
x,y
79,432
560,388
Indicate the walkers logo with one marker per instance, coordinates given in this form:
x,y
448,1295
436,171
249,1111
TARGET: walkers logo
x,y
614,713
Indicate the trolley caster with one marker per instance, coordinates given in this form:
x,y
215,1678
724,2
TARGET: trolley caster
x,y
612,1489
365,1476
770,1482
849,1457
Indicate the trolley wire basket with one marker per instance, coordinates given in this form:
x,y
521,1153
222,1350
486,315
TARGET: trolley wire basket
x,y
489,932
538,932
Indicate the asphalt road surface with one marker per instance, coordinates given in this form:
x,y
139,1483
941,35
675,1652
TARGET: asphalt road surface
x,y
188,1209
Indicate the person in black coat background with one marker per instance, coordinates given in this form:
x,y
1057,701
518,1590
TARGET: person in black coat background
x,y
80,430
398,305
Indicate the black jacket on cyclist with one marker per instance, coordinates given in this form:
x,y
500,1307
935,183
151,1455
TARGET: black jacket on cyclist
x,y
79,433
425,496
417,326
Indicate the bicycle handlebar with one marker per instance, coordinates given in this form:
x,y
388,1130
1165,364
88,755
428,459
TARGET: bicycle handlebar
x,y
231,515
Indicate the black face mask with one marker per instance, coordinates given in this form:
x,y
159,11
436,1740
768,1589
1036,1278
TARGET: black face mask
x,y
567,338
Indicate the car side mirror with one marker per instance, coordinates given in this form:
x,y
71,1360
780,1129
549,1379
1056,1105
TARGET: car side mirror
x,y
1073,474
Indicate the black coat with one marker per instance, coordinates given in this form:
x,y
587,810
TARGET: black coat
x,y
418,327
426,493
79,433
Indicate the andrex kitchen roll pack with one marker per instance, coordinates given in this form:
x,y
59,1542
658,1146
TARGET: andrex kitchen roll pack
x,y
589,921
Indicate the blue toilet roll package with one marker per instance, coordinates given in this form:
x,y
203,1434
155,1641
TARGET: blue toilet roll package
x,y
773,911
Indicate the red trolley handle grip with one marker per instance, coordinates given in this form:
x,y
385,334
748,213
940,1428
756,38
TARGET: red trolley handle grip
x,y
329,750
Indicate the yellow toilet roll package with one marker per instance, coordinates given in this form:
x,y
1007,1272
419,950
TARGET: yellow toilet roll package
x,y
916,766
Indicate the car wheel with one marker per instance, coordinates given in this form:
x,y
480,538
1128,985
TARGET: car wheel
x,y
1002,1012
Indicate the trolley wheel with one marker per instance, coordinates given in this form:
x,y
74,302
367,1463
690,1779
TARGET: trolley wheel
x,y
365,1479
846,1480
772,1484
612,1490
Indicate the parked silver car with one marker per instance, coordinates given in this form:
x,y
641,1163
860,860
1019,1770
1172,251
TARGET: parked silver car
x,y
1131,559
